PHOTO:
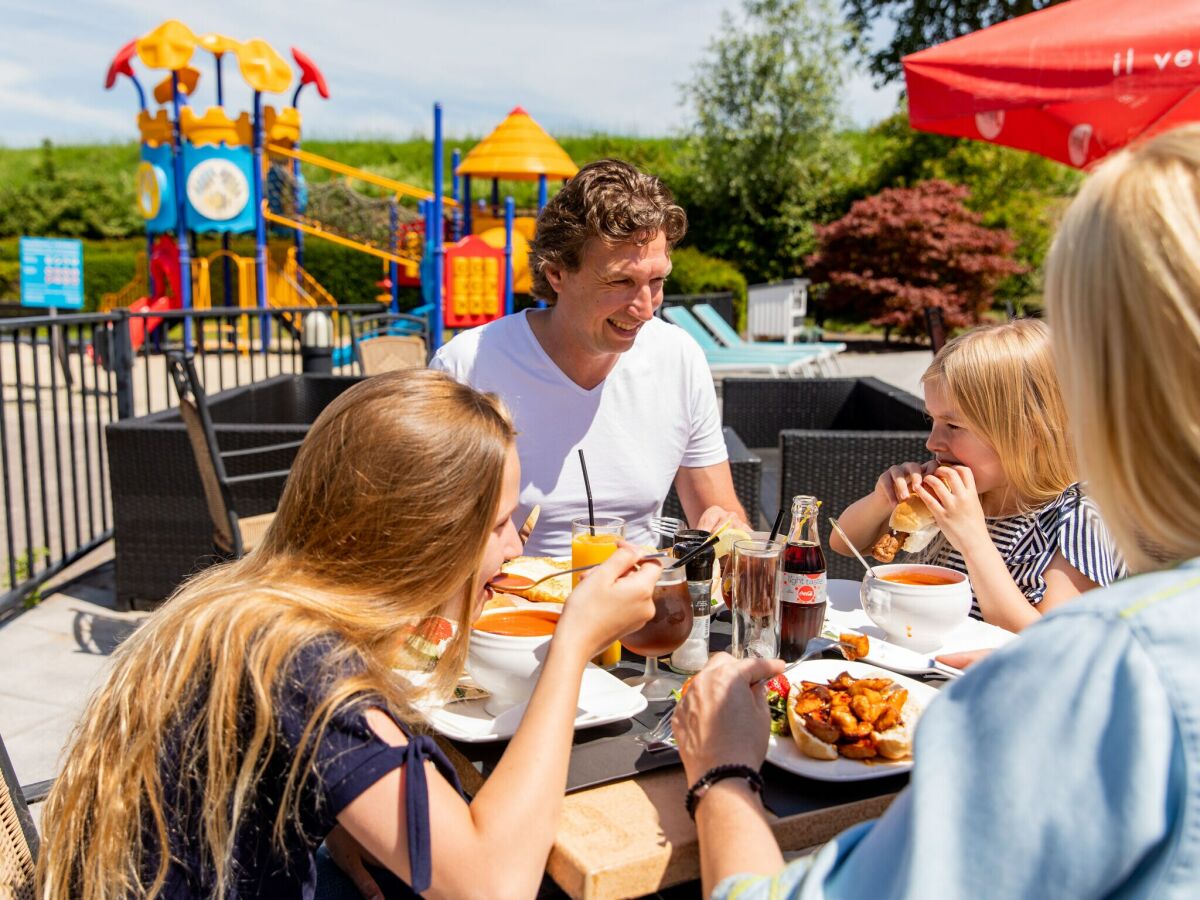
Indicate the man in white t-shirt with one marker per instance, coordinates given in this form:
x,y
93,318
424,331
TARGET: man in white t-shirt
x,y
596,370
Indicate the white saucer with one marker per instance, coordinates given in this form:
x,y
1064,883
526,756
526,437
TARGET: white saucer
x,y
603,698
845,613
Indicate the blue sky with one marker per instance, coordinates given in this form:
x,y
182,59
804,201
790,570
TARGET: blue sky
x,y
578,67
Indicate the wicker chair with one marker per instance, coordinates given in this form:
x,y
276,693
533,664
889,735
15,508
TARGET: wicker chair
x,y
834,436
747,479
390,341
18,836
233,536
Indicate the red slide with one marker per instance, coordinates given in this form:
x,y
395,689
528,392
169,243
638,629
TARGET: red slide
x,y
164,266
140,326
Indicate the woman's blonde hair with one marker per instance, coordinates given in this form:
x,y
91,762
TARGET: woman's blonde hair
x,y
1123,296
383,521
1002,380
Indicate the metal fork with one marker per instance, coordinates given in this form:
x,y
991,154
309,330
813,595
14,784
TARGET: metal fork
x,y
819,645
660,736
666,526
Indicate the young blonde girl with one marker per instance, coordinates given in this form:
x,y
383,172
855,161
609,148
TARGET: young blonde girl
x,y
1002,484
257,711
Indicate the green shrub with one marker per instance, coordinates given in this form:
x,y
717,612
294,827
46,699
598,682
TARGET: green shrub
x,y
693,272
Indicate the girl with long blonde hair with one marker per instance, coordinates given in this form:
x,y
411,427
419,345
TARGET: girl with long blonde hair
x,y
258,710
1002,486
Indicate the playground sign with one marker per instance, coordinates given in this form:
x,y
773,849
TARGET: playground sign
x,y
52,273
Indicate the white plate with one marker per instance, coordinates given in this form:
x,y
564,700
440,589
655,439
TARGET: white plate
x,y
783,752
603,698
845,613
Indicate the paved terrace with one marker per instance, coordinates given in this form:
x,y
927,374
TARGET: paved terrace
x,y
53,656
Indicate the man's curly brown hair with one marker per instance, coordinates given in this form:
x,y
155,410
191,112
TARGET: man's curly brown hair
x,y
608,199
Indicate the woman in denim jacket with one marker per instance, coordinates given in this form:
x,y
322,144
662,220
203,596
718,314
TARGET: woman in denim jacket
x,y
1068,763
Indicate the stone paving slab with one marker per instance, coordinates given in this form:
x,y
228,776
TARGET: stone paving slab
x,y
52,658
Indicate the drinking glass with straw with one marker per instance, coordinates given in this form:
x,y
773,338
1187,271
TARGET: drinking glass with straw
x,y
593,540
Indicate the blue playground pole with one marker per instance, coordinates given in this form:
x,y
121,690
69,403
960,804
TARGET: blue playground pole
x,y
439,249
181,231
393,268
466,204
226,270
296,178
455,159
260,227
509,214
141,93
149,270
541,192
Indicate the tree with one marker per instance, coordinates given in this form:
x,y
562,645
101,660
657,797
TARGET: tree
x,y
762,150
1022,192
923,23
906,249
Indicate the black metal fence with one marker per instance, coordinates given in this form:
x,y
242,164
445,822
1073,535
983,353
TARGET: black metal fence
x,y
65,377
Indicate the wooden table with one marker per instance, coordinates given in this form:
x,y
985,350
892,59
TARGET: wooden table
x,y
634,837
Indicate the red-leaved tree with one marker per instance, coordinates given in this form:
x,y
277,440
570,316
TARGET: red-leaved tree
x,y
905,249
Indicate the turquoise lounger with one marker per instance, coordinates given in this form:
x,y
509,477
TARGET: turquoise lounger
x,y
797,361
725,333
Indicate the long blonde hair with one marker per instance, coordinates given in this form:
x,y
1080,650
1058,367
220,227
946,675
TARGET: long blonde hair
x,y
383,521
1003,381
1123,295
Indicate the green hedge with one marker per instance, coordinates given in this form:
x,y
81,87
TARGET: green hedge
x,y
693,272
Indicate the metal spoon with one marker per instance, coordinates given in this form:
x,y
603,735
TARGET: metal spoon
x,y
850,544
516,584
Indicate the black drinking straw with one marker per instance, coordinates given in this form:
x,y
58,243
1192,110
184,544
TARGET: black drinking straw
x,y
587,486
778,525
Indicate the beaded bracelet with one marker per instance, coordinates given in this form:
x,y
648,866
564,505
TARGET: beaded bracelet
x,y
719,773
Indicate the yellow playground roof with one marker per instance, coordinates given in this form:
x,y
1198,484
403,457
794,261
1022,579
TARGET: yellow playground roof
x,y
518,149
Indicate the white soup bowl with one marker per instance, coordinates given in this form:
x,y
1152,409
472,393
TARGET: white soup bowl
x,y
917,616
505,666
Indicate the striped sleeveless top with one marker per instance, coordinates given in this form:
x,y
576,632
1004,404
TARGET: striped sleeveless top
x,y
1069,524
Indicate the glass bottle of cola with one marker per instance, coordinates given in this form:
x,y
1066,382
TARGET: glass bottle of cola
x,y
802,600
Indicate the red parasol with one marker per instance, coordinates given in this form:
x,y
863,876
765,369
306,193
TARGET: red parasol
x,y
309,73
120,64
1072,82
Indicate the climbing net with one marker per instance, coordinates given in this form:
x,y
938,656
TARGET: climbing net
x,y
335,207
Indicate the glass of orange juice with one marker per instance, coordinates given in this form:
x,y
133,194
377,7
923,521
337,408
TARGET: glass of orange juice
x,y
593,542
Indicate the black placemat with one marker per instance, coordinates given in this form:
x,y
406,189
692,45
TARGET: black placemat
x,y
788,794
600,754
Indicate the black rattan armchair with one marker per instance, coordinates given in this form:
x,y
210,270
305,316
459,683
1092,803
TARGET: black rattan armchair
x,y
233,535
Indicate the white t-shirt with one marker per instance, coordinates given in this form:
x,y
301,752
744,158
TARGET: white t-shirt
x,y
656,411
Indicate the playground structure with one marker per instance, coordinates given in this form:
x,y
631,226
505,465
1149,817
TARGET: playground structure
x,y
210,174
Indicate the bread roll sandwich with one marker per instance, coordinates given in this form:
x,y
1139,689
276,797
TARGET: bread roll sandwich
x,y
910,528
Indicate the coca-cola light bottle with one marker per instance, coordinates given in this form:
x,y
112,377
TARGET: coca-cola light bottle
x,y
802,600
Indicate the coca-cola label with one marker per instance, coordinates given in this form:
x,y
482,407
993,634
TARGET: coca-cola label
x,y
804,588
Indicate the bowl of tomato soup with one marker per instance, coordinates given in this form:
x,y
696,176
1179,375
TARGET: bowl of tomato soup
x,y
507,650
917,606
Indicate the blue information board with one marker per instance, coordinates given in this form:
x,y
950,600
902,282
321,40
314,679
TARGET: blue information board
x,y
52,273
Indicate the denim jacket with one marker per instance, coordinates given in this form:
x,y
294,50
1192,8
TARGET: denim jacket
x,y
1065,765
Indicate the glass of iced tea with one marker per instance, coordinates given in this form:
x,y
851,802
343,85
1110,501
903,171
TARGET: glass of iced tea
x,y
662,635
592,542
757,576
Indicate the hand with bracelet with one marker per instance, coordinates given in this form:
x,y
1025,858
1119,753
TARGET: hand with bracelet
x,y
723,721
